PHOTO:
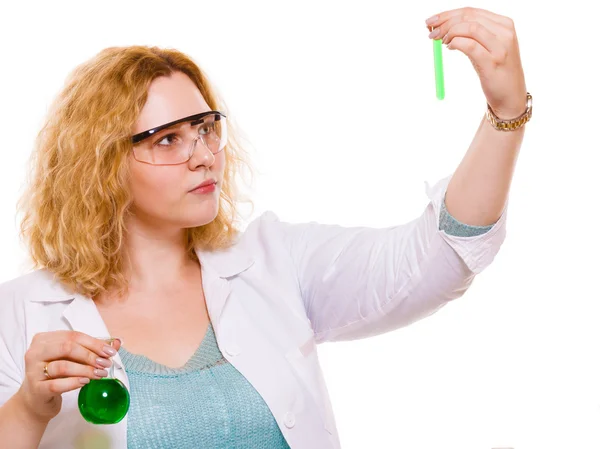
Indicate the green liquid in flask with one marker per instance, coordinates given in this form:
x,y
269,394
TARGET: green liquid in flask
x,y
104,401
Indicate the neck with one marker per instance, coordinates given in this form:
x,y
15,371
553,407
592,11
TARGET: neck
x,y
155,257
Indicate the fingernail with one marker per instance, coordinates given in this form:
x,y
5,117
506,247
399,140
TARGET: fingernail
x,y
100,372
109,351
104,363
431,20
434,33
84,380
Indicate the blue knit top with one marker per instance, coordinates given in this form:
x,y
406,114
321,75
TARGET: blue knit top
x,y
208,402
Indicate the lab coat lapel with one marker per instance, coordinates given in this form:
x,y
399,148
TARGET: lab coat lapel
x,y
83,316
216,292
218,267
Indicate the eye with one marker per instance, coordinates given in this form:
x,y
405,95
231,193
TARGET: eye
x,y
206,128
167,137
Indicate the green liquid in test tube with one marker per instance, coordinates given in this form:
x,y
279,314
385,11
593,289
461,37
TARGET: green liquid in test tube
x,y
439,69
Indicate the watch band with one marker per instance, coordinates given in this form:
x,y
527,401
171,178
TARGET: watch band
x,y
512,124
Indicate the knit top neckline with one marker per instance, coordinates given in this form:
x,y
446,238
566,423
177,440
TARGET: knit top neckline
x,y
207,355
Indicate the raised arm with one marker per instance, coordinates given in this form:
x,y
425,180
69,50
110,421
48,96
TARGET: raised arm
x,y
359,281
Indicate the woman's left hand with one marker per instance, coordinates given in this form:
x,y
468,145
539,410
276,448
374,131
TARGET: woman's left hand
x,y
490,42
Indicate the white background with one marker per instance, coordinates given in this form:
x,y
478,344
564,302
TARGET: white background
x,y
337,103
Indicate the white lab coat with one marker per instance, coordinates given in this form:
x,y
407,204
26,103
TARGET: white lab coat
x,y
280,290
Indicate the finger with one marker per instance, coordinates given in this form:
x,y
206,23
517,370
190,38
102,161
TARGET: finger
x,y
97,345
477,32
59,386
470,14
65,368
77,348
493,27
470,47
117,344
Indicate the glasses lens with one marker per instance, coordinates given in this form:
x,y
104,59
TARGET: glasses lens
x,y
174,145
213,132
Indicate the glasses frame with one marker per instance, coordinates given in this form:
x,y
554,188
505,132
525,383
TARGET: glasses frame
x,y
139,137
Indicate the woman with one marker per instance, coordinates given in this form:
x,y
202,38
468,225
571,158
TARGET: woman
x,y
131,221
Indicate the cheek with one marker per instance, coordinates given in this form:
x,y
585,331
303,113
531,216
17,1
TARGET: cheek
x,y
218,168
155,187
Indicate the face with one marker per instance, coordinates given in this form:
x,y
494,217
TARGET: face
x,y
162,194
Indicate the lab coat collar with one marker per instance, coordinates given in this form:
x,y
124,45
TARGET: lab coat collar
x,y
224,263
51,291
217,268
83,316
81,312
228,262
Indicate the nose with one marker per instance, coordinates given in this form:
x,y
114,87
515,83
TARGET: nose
x,y
201,155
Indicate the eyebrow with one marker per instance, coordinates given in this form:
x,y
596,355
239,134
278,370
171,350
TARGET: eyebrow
x,y
171,125
174,127
178,127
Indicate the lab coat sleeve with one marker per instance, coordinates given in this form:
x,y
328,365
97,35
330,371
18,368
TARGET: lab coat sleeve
x,y
357,282
10,345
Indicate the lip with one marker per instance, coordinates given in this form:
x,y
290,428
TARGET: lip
x,y
208,182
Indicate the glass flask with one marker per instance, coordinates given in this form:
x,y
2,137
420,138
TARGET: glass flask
x,y
104,401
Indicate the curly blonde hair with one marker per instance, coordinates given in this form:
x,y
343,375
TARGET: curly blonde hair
x,y
77,197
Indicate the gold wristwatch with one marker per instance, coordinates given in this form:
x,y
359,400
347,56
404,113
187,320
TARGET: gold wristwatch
x,y
512,124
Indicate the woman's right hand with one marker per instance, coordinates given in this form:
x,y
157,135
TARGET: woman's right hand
x,y
73,359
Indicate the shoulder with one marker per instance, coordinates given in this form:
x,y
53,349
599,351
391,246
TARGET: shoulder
x,y
265,220
15,315
262,231
27,307
261,241
266,234
36,285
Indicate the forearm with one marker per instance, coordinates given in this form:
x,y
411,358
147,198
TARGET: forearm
x,y
18,430
478,189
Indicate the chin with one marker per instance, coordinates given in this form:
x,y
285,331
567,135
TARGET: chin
x,y
202,218
197,224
